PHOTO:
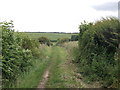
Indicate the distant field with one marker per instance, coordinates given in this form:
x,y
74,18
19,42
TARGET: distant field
x,y
51,36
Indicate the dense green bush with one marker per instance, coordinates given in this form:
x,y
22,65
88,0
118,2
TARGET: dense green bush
x,y
98,45
30,44
0,40
62,40
20,54
0,57
17,53
74,38
44,40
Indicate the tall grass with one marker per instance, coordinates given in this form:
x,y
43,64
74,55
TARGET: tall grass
x,y
32,78
72,49
62,72
57,56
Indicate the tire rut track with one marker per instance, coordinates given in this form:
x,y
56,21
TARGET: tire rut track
x,y
44,80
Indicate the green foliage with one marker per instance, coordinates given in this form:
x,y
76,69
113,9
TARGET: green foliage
x,y
98,44
44,40
74,38
15,57
62,40
33,45
18,51
84,27
0,39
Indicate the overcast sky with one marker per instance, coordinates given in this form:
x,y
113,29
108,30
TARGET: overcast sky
x,y
55,15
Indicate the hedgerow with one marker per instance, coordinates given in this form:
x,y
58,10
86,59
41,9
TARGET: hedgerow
x,y
18,51
98,50
60,41
44,40
74,38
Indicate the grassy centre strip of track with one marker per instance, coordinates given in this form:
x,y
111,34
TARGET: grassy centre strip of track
x,y
62,73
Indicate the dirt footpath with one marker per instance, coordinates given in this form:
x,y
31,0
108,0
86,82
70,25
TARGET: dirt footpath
x,y
44,80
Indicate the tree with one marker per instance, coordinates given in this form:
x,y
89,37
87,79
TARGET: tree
x,y
44,40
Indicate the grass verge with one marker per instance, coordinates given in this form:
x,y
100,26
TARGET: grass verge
x,y
32,78
55,81
62,72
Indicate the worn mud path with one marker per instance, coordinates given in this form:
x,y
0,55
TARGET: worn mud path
x,y
44,80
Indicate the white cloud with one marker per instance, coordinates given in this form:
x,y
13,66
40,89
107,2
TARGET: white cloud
x,y
109,6
51,15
